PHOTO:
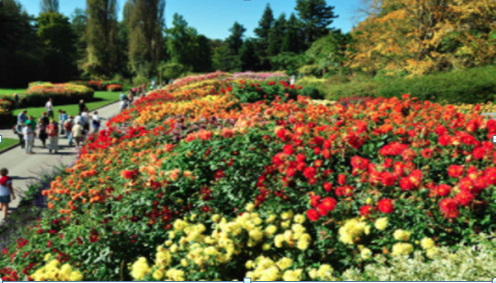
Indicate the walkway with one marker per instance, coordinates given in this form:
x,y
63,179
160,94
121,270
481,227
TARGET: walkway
x,y
24,169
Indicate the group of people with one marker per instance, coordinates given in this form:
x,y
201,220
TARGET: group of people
x,y
75,129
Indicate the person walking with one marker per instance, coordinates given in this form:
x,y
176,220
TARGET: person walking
x,y
45,118
18,131
123,99
16,100
77,134
95,121
42,134
86,121
6,191
62,118
49,108
53,136
82,106
29,135
22,117
68,128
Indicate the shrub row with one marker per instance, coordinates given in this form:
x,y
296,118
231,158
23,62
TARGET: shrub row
x,y
60,93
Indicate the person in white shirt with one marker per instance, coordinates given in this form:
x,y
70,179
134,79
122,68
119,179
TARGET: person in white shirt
x,y
29,134
95,121
49,108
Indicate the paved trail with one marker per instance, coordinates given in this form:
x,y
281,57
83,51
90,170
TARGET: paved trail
x,y
25,169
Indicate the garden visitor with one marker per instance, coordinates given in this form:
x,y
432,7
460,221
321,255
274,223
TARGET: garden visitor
x,y
52,131
123,99
49,108
95,121
85,115
130,99
82,106
18,131
45,118
41,129
68,128
22,117
77,134
29,134
62,119
16,100
6,190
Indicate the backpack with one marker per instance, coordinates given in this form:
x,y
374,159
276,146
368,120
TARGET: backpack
x,y
52,130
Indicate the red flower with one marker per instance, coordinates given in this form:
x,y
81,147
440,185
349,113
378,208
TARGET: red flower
x,y
219,174
406,184
327,187
366,210
309,172
288,149
129,174
455,171
464,198
313,215
341,179
387,178
449,208
344,191
314,200
386,205
427,153
442,190
328,203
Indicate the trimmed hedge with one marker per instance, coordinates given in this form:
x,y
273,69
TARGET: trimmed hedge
x,y
476,85
60,93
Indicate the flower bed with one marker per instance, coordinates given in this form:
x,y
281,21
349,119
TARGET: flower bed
x,y
60,93
114,87
191,183
6,106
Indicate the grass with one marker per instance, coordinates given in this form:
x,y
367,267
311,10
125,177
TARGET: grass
x,y
9,91
6,143
102,98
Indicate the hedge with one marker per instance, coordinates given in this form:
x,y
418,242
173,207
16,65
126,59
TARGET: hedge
x,y
60,93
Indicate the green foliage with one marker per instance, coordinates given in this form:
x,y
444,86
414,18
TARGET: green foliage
x,y
287,61
101,35
57,41
316,16
172,70
465,86
276,36
312,92
49,6
146,22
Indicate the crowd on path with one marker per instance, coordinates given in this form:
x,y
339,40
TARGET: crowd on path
x,y
46,128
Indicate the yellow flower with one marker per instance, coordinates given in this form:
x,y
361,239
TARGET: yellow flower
x,y
184,262
279,240
270,230
256,235
302,245
381,223
368,201
76,276
179,225
292,275
284,263
401,235
313,273
366,253
287,215
250,206
158,274
299,218
47,257
352,230
249,264
65,272
140,268
431,252
402,249
325,271
266,247
271,218
215,218
427,243
285,224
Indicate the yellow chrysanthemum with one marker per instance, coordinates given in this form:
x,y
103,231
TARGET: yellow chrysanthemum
x,y
401,235
427,243
381,223
402,249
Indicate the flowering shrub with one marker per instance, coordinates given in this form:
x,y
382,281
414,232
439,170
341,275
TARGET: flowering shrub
x,y
192,183
61,94
6,106
114,87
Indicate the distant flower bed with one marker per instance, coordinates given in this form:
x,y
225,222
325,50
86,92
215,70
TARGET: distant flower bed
x,y
60,93
105,85
114,87
6,106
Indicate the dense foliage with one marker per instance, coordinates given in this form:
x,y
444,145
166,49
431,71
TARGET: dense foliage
x,y
60,93
191,183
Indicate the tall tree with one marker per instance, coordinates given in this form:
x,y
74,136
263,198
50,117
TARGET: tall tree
x,y
78,24
262,42
146,22
20,56
57,42
316,16
235,40
101,35
49,6
293,38
276,35
248,56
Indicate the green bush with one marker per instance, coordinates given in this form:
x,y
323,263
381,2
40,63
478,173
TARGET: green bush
x,y
32,84
476,85
352,89
312,92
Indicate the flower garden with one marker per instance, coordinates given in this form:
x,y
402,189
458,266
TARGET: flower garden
x,y
220,177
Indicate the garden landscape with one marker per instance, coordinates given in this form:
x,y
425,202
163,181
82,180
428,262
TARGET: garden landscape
x,y
361,156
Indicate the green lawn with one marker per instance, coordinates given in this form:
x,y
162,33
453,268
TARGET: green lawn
x,y
6,142
7,91
103,98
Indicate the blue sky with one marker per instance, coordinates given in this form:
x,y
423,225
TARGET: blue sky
x,y
213,18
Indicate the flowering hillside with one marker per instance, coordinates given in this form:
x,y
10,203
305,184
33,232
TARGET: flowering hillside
x,y
219,177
